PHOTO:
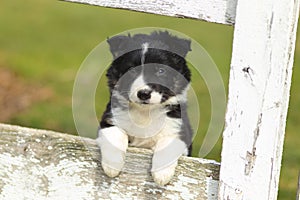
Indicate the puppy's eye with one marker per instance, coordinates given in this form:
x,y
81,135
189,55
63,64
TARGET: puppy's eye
x,y
161,71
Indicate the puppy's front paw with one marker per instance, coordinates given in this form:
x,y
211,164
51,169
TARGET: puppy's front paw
x,y
113,162
163,176
110,171
113,143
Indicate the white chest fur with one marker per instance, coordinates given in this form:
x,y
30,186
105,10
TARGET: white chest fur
x,y
146,124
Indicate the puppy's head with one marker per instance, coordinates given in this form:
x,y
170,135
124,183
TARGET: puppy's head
x,y
149,69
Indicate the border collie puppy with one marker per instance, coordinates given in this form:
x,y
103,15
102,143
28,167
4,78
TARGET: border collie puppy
x,y
148,81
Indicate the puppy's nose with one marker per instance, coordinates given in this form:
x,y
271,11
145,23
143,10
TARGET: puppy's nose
x,y
144,94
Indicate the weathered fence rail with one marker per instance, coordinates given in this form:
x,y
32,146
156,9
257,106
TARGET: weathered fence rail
x,y
40,164
219,11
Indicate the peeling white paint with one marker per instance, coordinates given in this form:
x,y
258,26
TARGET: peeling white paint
x,y
30,182
32,170
219,11
212,188
259,86
186,179
185,193
20,140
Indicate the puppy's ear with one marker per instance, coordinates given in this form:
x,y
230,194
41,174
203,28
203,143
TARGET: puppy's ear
x,y
176,45
182,46
118,44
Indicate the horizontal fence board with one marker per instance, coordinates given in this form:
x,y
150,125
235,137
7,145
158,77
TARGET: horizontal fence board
x,y
39,164
218,11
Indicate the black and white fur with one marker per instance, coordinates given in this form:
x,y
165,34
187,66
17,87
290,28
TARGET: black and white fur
x,y
148,81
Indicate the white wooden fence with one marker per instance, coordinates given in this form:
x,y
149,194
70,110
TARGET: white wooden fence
x,y
259,86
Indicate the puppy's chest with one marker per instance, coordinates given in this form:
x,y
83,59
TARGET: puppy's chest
x,y
146,126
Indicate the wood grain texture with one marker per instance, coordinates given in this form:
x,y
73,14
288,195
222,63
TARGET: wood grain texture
x,y
39,164
218,11
259,87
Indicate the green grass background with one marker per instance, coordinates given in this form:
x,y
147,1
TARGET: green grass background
x,y
46,41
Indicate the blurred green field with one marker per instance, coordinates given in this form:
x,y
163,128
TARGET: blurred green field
x,y
45,42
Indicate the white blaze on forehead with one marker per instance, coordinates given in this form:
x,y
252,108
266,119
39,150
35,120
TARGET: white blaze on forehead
x,y
145,47
144,51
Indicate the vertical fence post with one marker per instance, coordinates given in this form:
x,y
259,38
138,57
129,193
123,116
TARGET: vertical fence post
x,y
259,86
298,188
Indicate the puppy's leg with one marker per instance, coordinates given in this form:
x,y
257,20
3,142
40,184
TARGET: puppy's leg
x,y
113,143
165,159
